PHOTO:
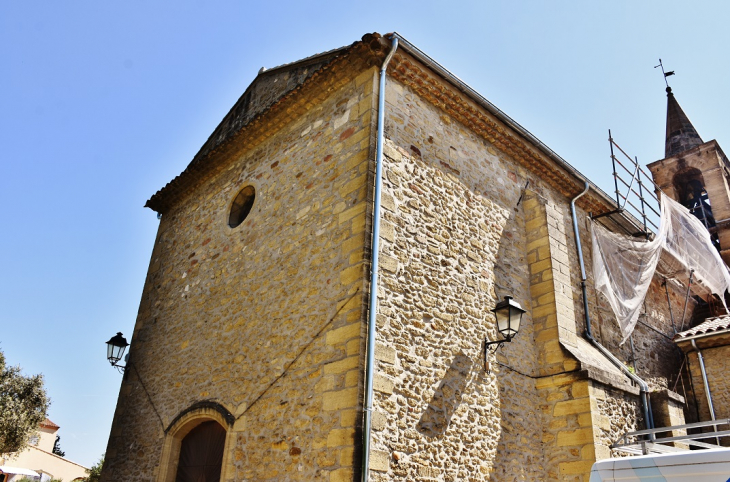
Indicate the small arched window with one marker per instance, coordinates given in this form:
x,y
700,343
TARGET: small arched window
x,y
241,206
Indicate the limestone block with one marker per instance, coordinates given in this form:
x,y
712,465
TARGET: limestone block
x,y
380,460
341,366
388,263
339,399
343,334
579,467
385,353
341,475
383,384
339,437
570,407
580,436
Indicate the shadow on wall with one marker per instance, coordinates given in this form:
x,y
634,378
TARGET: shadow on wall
x,y
447,398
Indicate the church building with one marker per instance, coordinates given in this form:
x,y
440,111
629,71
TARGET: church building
x,y
329,269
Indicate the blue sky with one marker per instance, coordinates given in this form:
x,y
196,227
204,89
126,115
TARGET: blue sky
x,y
102,103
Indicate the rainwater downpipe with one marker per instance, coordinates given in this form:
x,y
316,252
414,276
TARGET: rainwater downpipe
x,y
643,386
706,383
370,356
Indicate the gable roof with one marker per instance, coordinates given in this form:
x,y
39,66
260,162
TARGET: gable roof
x,y
252,119
272,91
269,86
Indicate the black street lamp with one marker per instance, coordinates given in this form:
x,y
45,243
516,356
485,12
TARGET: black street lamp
x,y
509,315
115,349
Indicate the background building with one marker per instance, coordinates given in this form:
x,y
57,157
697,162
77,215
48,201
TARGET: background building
x,y
39,458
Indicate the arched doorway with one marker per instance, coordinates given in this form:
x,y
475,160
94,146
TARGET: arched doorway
x,y
196,444
201,453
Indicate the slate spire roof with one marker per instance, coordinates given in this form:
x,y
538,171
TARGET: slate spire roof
x,y
681,134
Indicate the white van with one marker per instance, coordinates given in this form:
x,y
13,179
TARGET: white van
x,y
712,465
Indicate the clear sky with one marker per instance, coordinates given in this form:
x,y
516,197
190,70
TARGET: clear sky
x,y
103,102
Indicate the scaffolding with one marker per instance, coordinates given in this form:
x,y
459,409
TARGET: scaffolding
x,y
638,197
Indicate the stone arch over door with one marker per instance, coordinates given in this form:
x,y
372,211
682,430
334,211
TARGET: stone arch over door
x,y
191,424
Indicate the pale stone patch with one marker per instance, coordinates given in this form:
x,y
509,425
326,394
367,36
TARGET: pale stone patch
x,y
340,121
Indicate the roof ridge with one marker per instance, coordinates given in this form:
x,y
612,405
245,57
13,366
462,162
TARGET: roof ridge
x,y
59,457
264,70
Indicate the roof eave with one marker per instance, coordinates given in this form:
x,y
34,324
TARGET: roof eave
x,y
502,116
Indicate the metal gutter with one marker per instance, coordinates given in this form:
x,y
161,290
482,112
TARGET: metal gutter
x,y
372,313
704,380
706,383
701,335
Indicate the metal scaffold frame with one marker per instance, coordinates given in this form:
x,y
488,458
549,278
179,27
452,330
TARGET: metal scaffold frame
x,y
643,203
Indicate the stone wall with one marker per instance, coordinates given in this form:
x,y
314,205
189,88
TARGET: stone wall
x,y
453,244
460,232
264,320
266,89
559,311
717,366
568,413
621,413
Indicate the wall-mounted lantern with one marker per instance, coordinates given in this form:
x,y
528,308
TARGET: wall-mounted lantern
x,y
509,315
115,350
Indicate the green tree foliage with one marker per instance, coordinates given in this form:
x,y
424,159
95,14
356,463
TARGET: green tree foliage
x,y
23,406
95,471
57,447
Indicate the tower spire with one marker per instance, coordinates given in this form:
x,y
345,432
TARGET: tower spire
x,y
681,134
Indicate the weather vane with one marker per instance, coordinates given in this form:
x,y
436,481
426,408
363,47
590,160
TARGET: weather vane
x,y
666,74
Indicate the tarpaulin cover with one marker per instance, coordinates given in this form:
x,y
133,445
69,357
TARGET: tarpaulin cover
x,y
623,267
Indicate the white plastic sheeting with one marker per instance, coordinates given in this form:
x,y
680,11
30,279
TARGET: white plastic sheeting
x,y
623,267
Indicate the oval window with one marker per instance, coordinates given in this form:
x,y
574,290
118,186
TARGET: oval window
x,y
241,206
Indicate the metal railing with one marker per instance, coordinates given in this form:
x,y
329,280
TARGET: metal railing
x,y
647,442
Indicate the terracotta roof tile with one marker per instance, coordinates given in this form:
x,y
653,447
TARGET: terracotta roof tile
x,y
48,424
709,326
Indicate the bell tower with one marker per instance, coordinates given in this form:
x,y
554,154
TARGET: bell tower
x,y
695,173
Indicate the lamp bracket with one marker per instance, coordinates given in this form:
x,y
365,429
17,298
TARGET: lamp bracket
x,y
489,347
